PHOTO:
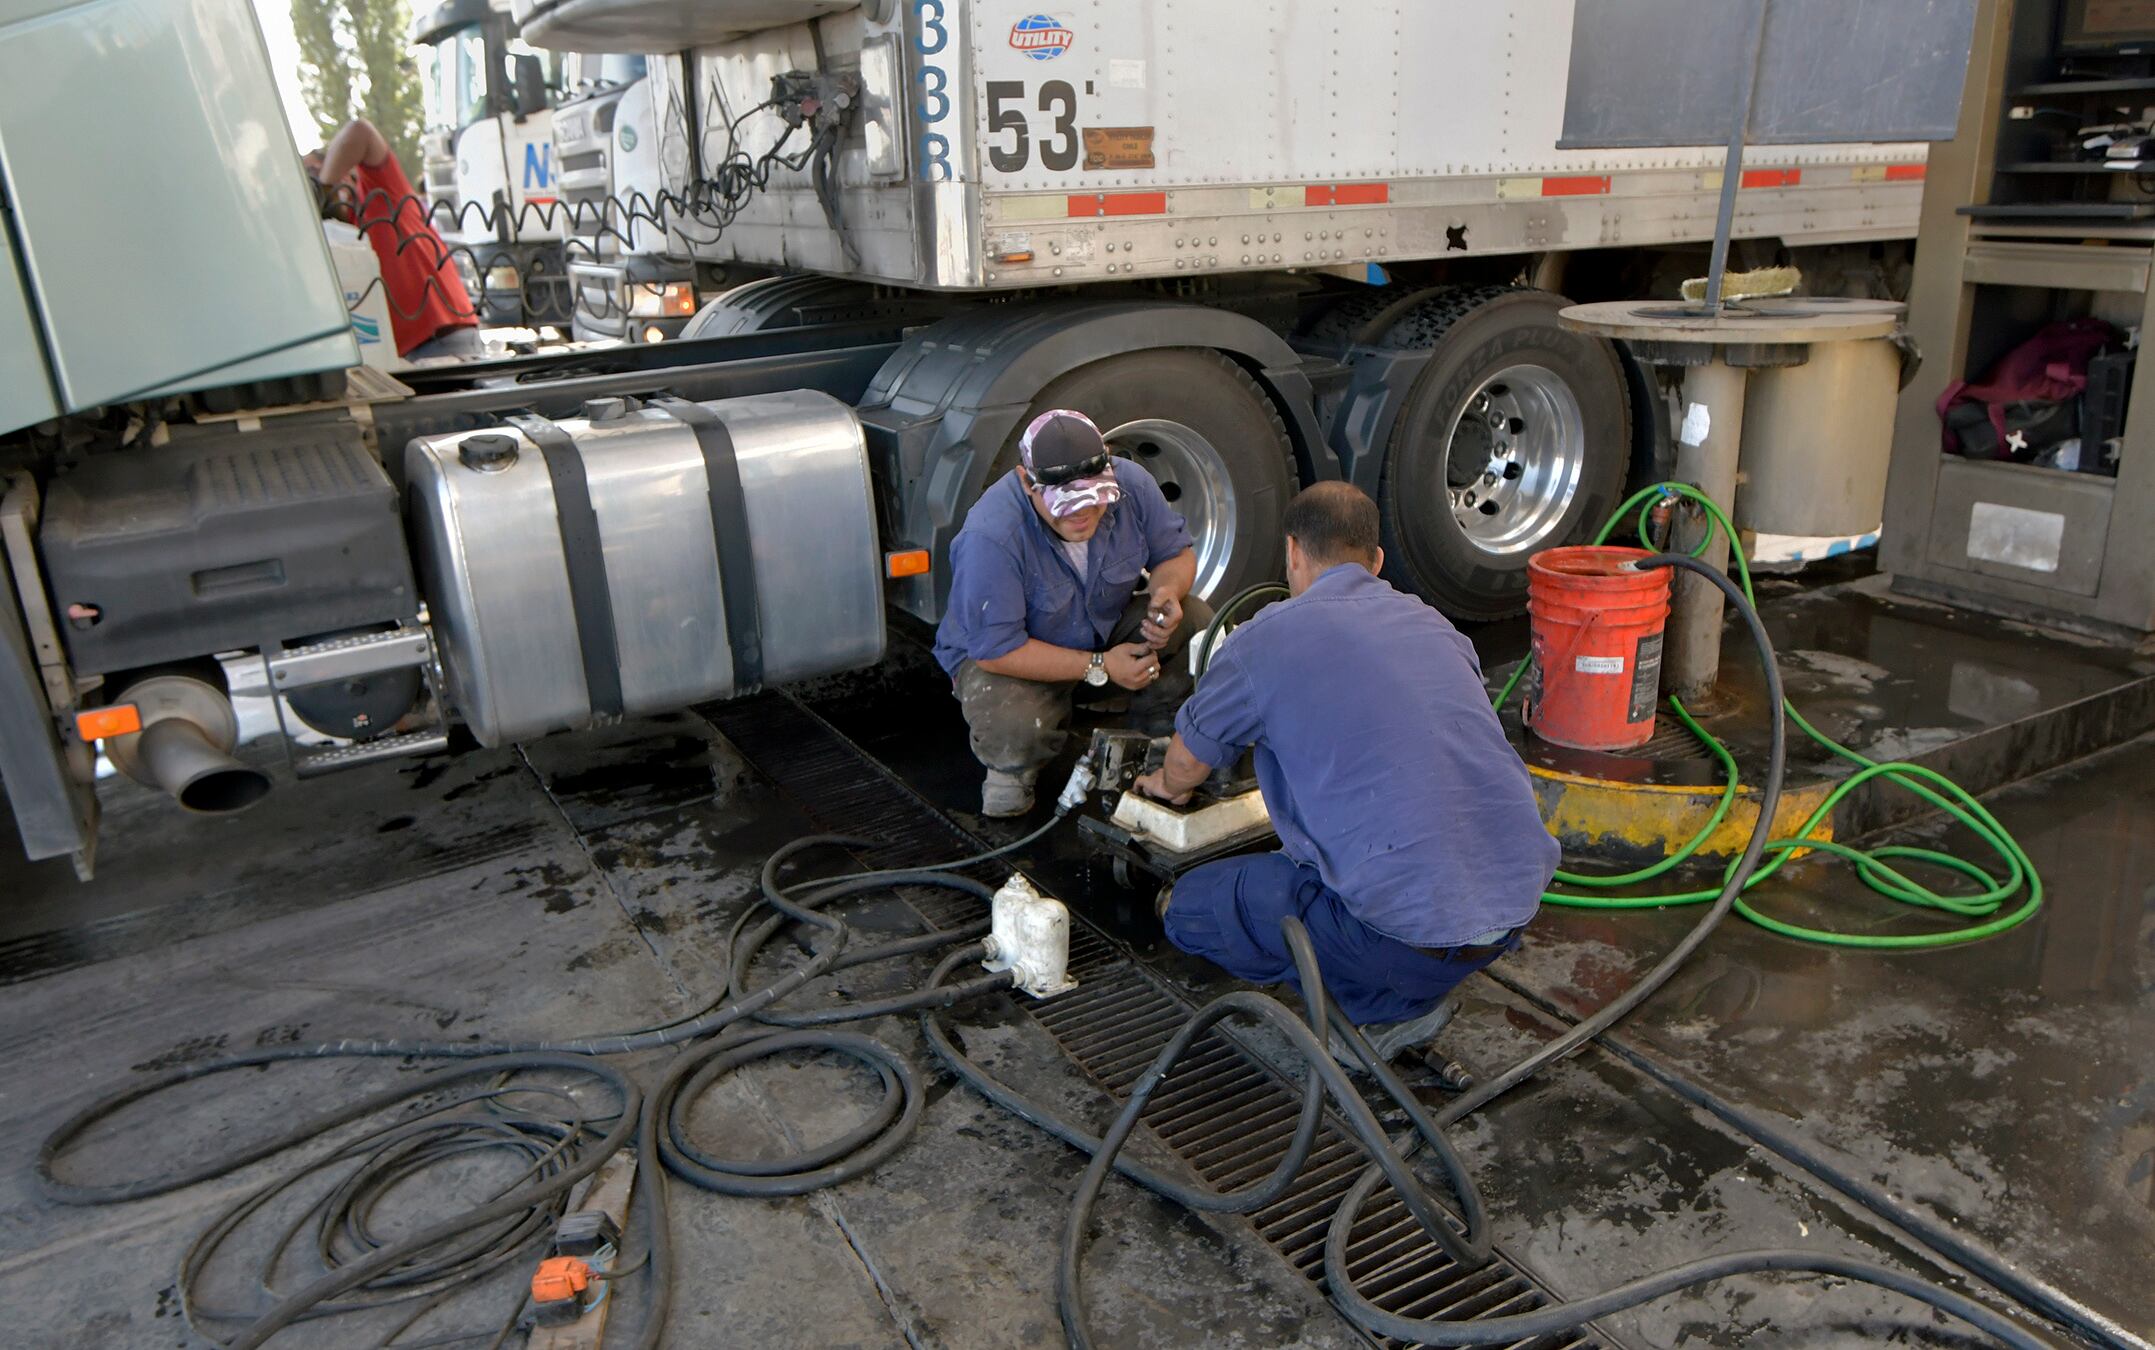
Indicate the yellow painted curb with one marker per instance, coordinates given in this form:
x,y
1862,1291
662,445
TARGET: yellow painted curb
x,y
1647,821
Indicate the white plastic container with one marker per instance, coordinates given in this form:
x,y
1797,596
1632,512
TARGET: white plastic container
x,y
359,276
1029,936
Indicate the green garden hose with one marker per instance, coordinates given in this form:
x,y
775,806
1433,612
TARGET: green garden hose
x,y
1871,865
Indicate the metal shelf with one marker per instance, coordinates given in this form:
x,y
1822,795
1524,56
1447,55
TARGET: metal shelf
x,y
2097,213
2078,166
2074,267
2085,86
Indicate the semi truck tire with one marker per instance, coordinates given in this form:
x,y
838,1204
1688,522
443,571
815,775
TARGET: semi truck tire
x,y
1204,429
1514,438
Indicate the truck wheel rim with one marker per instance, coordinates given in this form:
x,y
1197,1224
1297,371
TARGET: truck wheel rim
x,y
1193,477
1517,450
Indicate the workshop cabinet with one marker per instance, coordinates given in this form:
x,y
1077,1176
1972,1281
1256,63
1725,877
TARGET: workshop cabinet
x,y
2019,229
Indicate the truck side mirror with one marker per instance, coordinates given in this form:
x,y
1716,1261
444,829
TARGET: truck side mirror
x,y
530,82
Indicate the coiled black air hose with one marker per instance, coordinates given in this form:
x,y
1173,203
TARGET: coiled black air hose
x,y
571,1146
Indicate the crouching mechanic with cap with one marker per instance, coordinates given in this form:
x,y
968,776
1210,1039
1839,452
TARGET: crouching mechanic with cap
x,y
1045,596
1410,844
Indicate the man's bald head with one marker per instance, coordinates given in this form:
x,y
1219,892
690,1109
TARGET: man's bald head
x,y
1329,524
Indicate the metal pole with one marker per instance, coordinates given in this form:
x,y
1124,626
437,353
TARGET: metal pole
x,y
1732,164
1706,451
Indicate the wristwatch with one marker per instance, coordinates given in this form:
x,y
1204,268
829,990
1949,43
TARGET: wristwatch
x,y
1096,673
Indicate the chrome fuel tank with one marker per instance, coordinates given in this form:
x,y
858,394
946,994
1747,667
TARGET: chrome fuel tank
x,y
634,562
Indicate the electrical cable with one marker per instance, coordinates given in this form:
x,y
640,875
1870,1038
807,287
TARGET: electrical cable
x,y
559,1149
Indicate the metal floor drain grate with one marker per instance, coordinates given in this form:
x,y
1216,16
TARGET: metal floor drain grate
x,y
1671,740
1224,1112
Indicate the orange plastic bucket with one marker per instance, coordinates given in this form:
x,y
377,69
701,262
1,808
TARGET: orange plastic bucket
x,y
1597,646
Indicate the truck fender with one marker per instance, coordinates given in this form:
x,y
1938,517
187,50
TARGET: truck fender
x,y
944,405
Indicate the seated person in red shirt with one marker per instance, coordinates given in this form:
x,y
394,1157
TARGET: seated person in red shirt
x,y
430,312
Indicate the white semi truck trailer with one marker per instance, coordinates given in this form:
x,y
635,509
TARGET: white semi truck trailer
x,y
1260,244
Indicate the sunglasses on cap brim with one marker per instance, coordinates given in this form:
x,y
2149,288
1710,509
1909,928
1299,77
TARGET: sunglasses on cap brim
x,y
1070,473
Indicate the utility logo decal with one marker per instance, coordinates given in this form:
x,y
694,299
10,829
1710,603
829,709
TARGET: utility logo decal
x,y
1041,37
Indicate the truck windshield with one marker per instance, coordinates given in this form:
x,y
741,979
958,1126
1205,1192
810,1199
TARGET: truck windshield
x,y
589,73
452,73
553,63
471,102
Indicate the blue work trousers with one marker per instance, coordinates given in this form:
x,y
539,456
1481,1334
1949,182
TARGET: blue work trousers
x,y
1229,912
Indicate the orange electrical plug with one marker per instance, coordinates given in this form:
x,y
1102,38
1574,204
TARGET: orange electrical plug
x,y
560,1279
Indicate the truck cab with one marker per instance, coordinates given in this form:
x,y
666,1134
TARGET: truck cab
x,y
491,167
631,283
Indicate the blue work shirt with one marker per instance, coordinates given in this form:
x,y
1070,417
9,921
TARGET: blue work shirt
x,y
1011,581
1382,764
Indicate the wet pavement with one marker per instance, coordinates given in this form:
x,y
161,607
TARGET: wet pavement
x,y
1999,1095
1775,1095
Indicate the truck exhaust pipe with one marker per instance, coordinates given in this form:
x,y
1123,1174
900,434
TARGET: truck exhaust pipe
x,y
185,746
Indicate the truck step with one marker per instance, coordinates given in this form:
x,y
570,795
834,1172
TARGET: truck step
x,y
348,657
368,752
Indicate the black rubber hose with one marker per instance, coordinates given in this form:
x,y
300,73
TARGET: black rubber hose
x,y
806,908
1769,801
1471,1247
1357,1198
852,1154
497,1231
1254,1196
296,1304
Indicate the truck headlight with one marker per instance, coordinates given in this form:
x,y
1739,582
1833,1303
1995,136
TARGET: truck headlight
x,y
503,279
676,299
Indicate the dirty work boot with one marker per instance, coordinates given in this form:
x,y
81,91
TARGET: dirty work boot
x,y
1389,1039
1004,795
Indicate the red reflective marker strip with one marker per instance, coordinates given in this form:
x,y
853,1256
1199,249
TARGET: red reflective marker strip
x,y
1593,185
1772,178
1904,173
1119,204
1346,194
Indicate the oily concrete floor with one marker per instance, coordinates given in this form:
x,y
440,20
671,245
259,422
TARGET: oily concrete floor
x,y
588,882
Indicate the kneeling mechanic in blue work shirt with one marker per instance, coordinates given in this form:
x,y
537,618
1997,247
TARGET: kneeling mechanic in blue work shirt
x,y
1410,843
1071,570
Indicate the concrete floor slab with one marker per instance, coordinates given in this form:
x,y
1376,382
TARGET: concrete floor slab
x,y
1999,1091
